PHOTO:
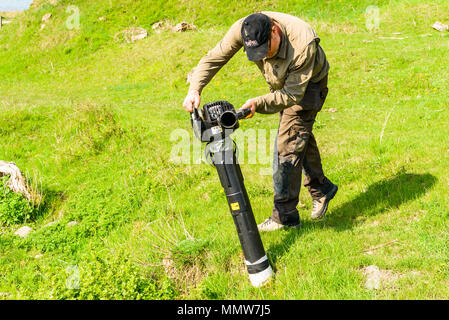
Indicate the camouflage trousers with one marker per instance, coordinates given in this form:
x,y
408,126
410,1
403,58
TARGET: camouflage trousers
x,y
296,152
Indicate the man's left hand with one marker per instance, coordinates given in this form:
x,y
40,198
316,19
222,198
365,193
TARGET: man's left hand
x,y
250,104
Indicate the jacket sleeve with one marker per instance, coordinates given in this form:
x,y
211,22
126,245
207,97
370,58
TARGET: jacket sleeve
x,y
299,74
216,58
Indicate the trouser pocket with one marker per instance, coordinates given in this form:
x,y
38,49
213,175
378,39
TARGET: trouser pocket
x,y
315,95
300,142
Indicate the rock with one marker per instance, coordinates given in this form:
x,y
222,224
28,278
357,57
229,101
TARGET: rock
x,y
17,181
102,19
372,274
72,223
131,34
180,27
157,27
38,256
50,224
139,34
440,26
206,196
46,17
184,26
332,110
23,232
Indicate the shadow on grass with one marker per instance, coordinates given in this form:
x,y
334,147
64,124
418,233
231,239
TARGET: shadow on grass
x,y
50,201
377,198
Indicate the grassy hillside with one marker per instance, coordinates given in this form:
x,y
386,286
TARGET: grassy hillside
x,y
90,118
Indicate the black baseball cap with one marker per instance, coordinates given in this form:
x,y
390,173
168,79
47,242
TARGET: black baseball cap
x,y
256,31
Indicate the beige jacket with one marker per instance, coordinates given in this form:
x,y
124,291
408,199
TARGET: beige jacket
x,y
300,59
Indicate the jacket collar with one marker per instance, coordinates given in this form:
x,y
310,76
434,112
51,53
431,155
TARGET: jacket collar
x,y
282,53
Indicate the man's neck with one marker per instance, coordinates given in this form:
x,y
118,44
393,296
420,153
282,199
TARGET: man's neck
x,y
279,32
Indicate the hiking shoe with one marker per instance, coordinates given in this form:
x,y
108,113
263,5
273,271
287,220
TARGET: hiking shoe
x,y
320,205
271,225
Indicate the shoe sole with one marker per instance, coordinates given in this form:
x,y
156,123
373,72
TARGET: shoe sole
x,y
329,197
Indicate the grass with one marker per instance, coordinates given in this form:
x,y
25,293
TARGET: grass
x,y
93,118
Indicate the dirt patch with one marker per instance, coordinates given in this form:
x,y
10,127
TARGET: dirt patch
x,y
184,276
377,279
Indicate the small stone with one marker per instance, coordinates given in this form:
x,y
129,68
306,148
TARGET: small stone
x,y
23,232
332,110
72,223
102,19
46,17
160,26
140,34
206,196
50,223
131,34
157,25
440,26
184,26
38,256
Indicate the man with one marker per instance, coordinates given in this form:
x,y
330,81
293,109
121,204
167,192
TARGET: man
x,y
286,50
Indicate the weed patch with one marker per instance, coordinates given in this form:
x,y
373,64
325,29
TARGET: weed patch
x,y
14,207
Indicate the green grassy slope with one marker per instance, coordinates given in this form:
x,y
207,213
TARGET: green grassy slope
x,y
91,120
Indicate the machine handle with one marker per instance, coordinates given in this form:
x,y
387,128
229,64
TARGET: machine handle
x,y
243,113
195,114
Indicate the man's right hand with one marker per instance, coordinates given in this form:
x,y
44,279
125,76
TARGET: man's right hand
x,y
192,100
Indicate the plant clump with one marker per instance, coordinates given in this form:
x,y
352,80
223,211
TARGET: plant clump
x,y
14,207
